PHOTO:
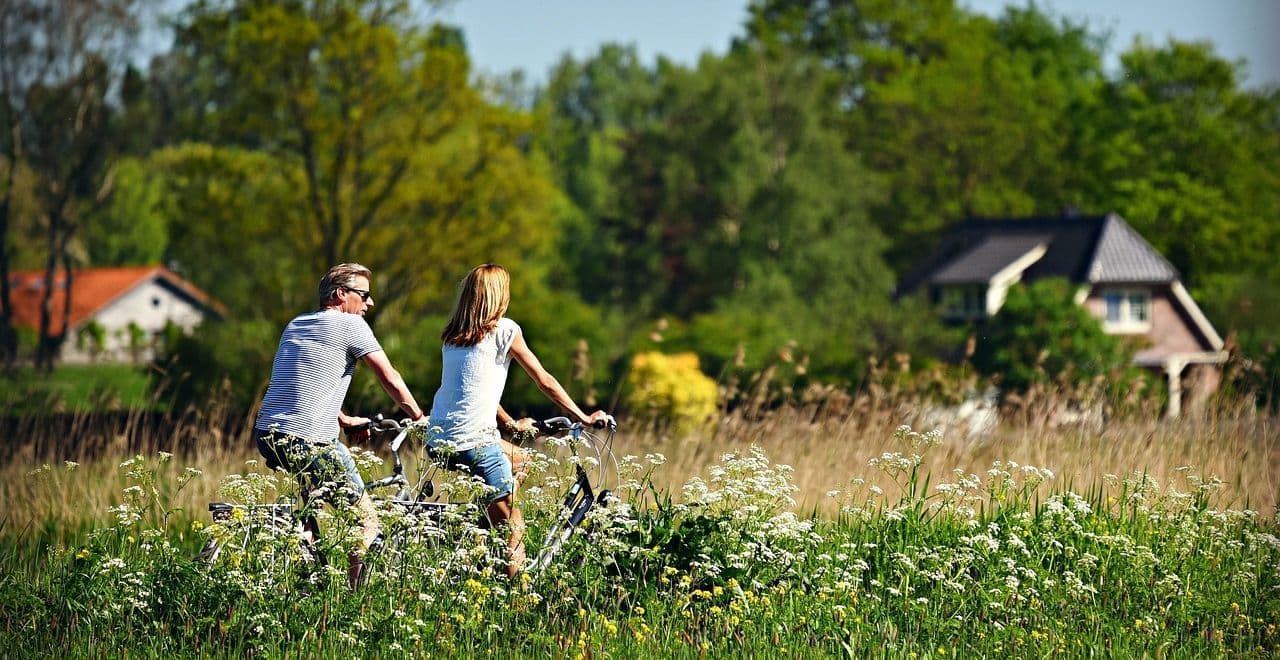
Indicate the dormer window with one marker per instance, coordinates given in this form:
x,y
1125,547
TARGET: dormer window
x,y
1127,310
966,301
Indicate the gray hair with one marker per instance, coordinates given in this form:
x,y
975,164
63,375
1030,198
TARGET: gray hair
x,y
341,276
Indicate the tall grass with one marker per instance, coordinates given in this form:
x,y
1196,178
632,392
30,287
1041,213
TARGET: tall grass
x,y
1010,560
825,448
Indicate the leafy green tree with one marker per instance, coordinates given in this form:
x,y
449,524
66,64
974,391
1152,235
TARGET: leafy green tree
x,y
724,192
130,229
594,112
1193,160
373,146
962,115
220,363
1040,334
57,67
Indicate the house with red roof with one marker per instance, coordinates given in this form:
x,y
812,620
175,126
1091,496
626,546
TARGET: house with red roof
x,y
129,308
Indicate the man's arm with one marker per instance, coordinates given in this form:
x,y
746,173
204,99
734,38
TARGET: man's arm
x,y
393,383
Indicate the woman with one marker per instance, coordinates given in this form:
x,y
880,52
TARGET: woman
x,y
479,344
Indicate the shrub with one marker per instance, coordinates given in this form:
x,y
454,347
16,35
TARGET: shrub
x,y
228,357
670,388
1041,335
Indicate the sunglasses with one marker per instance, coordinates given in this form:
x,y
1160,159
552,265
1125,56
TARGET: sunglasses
x,y
363,293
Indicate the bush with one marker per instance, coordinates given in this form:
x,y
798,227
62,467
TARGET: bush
x,y
1041,336
670,388
230,358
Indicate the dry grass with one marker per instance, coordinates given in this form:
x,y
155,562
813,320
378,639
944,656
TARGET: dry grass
x,y
1243,451
826,450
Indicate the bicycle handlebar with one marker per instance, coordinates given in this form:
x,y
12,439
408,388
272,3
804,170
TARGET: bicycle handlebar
x,y
562,423
380,424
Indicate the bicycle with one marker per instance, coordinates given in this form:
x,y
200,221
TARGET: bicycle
x,y
416,516
583,494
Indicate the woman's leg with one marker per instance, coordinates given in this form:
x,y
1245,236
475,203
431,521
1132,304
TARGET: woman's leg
x,y
519,458
502,511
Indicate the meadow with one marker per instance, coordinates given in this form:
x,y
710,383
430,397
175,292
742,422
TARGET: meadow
x,y
787,531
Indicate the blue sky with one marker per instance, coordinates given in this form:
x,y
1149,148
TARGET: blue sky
x,y
504,35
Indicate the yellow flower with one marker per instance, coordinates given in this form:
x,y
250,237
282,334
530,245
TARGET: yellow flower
x,y
83,554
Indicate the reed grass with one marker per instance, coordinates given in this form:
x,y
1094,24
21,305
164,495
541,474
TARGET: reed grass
x,y
826,450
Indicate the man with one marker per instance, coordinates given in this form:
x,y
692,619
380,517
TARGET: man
x,y
301,417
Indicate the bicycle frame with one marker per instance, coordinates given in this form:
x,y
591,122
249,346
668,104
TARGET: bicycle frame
x,y
582,496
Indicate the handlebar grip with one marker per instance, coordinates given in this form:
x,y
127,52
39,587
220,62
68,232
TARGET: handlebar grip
x,y
553,424
608,421
387,425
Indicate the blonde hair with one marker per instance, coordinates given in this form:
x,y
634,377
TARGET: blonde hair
x,y
483,297
340,277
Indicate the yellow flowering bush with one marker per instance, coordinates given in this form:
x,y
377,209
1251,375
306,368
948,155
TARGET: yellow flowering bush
x,y
671,388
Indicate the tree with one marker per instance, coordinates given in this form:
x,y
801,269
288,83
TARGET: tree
x,y
725,192
594,110
130,229
1193,161
962,116
1040,334
371,143
56,70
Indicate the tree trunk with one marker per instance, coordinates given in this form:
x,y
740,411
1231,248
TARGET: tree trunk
x,y
8,338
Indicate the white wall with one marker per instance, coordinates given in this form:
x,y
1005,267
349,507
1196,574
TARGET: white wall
x,y
149,305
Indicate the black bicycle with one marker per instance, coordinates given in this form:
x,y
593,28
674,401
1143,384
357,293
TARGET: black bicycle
x,y
418,518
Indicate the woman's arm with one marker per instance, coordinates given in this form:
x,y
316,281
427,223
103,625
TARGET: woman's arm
x,y
393,383
548,383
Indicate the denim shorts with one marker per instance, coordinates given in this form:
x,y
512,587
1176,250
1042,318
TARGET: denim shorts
x,y
313,463
488,462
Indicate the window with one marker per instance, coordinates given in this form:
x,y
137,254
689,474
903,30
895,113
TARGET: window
x,y
1127,310
966,301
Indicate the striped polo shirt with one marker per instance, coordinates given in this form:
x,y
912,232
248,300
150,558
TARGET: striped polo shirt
x,y
312,371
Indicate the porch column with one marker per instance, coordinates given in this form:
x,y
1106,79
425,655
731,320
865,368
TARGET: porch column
x,y
1173,374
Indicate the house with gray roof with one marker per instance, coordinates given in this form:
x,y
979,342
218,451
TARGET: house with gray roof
x,y
1129,286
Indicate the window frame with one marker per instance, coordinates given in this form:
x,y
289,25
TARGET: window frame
x,y
1133,309
972,299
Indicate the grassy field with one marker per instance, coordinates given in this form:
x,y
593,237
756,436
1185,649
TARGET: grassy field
x,y
75,388
777,534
